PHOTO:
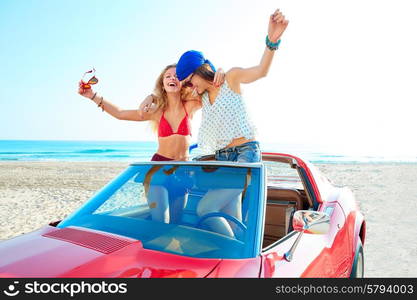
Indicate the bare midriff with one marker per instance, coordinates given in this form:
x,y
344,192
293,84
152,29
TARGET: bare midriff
x,y
239,141
174,146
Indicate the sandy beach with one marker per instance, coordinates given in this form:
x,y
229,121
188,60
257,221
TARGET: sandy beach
x,y
33,194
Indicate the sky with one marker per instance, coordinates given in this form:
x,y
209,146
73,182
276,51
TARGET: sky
x,y
344,77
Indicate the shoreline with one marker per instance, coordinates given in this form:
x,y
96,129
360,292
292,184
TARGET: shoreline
x,y
35,193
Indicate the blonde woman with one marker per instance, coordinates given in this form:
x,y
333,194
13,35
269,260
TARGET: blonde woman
x,y
171,116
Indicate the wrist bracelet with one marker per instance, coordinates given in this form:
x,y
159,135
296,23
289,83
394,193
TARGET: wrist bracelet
x,y
101,104
92,98
272,46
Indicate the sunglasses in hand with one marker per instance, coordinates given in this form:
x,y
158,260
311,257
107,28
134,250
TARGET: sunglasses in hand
x,y
93,80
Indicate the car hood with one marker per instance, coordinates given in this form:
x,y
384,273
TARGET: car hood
x,y
78,252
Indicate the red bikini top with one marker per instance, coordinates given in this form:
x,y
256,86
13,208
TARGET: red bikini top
x,y
165,128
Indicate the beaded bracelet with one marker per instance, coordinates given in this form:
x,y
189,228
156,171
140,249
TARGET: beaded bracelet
x,y
101,104
272,46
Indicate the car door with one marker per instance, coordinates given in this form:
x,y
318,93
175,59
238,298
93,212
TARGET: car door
x,y
338,240
338,245
306,260
316,255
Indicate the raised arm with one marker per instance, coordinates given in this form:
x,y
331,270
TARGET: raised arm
x,y
276,27
113,110
192,103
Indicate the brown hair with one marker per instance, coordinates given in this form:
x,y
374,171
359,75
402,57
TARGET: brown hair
x,y
205,72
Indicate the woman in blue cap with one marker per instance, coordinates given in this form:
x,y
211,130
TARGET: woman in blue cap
x,y
226,128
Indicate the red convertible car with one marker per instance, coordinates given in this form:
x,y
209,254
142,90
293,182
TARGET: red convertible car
x,y
202,218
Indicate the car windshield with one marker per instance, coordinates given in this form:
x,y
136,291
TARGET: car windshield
x,y
204,211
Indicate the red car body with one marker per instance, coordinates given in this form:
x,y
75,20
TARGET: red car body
x,y
82,252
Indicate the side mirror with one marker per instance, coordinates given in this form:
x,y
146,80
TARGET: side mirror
x,y
310,222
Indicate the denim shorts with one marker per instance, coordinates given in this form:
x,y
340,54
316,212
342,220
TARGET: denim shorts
x,y
247,152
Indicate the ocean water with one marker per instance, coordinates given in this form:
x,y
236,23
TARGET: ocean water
x,y
42,150
132,151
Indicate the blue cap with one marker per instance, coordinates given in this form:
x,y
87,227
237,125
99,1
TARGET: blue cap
x,y
189,62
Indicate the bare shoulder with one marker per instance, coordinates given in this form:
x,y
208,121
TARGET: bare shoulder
x,y
156,115
232,79
234,72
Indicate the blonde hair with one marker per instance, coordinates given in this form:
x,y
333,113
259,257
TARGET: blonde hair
x,y
160,97
159,94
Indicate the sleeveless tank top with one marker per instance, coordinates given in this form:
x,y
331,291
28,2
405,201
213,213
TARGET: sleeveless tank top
x,y
224,120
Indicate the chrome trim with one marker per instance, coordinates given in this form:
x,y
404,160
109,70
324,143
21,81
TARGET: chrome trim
x,y
307,222
290,253
274,244
261,210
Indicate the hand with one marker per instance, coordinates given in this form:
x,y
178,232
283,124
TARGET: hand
x,y
147,105
277,26
219,77
88,93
